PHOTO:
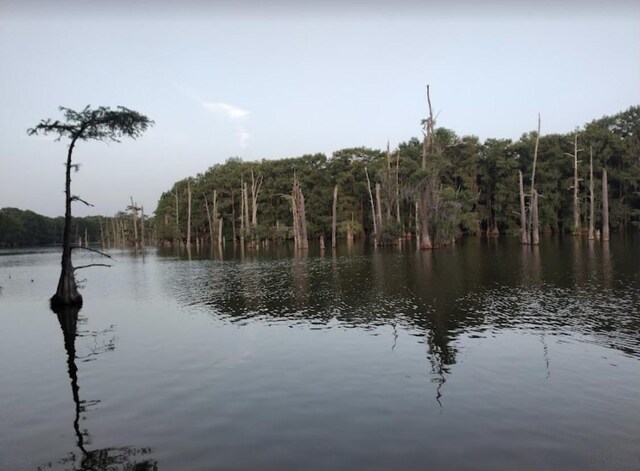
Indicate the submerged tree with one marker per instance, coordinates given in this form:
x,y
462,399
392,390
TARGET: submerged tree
x,y
99,124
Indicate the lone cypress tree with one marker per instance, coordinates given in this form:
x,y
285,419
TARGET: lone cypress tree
x,y
99,124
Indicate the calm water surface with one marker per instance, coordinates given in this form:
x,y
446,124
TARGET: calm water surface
x,y
484,356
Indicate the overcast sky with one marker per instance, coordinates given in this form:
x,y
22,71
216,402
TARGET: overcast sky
x,y
260,82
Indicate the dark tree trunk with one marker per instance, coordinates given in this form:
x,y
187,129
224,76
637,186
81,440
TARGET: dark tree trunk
x,y
67,292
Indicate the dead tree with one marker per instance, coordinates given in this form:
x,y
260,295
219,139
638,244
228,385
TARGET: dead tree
x,y
188,214
533,199
256,184
134,222
373,208
298,215
524,232
592,230
334,218
209,218
178,235
577,227
605,206
423,195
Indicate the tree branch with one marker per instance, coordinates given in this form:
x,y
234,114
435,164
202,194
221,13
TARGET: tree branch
x,y
92,265
92,250
77,198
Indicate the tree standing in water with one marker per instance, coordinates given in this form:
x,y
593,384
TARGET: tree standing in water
x,y
99,124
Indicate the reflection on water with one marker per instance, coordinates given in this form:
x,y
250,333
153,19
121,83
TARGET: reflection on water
x,y
435,294
125,458
485,355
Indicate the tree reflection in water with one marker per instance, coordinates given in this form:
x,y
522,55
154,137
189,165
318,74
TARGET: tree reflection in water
x,y
112,458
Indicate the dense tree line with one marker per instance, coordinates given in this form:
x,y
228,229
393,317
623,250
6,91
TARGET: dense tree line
x,y
24,228
437,187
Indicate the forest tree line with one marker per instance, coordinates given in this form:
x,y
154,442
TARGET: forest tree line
x,y
432,189
27,228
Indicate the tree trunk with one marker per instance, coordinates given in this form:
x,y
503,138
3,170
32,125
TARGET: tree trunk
x,y
605,206
592,230
247,224
134,221
379,209
209,219
188,214
67,291
178,235
373,208
304,241
142,242
577,229
535,232
534,210
334,219
425,238
398,188
255,191
220,232
102,242
233,218
242,210
524,232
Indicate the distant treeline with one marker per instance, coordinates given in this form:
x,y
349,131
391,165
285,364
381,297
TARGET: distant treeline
x,y
442,184
24,228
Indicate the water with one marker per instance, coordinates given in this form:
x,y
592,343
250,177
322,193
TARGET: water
x,y
484,356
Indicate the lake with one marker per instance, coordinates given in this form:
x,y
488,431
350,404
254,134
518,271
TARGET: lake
x,y
486,355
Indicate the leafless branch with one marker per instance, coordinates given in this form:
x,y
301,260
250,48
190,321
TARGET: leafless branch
x,y
77,198
89,249
92,265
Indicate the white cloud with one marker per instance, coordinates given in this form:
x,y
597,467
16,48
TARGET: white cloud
x,y
232,111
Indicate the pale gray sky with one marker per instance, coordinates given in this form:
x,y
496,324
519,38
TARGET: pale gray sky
x,y
260,82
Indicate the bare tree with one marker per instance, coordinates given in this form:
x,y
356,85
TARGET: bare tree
x,y
334,219
592,231
605,206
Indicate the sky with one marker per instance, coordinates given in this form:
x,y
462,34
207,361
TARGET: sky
x,y
264,80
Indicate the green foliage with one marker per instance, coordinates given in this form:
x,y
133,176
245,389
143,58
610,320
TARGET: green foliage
x,y
101,124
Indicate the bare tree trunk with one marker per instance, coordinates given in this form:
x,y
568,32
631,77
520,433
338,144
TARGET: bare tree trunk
x,y
605,206
577,229
67,291
256,184
247,224
334,219
417,223
134,221
142,241
178,232
425,238
592,230
424,241
304,241
524,232
102,241
209,219
534,236
188,214
373,208
220,232
398,188
379,207
233,218
535,233
242,210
